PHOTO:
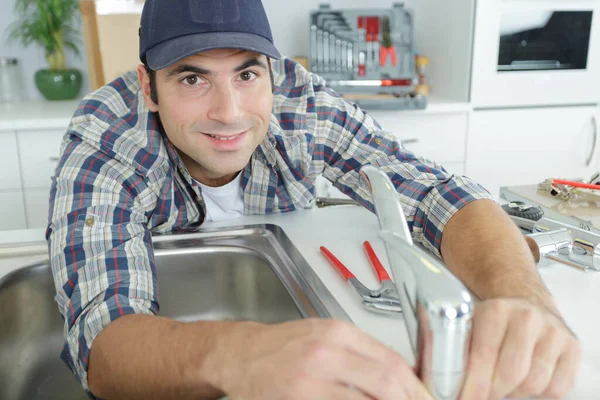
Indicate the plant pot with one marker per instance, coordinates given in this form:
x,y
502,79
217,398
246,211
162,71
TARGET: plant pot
x,y
58,84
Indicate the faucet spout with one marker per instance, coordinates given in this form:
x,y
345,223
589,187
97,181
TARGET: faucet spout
x,y
437,307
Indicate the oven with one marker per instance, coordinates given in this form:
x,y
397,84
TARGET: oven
x,y
535,53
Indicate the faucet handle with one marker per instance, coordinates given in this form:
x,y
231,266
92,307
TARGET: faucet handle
x,y
385,199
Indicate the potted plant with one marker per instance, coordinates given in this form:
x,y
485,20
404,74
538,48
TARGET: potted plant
x,y
51,24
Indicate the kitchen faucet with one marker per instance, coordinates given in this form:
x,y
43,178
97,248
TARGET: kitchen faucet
x,y
437,308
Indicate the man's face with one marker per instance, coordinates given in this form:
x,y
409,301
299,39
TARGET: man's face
x,y
215,107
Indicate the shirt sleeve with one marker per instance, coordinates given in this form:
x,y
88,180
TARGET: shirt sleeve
x,y
349,138
100,247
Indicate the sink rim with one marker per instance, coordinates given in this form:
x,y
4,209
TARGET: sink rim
x,y
307,290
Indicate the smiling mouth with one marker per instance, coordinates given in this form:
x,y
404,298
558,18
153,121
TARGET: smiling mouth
x,y
225,138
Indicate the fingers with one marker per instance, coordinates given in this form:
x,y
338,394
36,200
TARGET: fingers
x,y
521,351
388,377
334,392
543,364
365,345
514,362
489,328
566,370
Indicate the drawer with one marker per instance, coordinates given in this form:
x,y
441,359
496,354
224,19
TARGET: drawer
x,y
38,152
439,137
12,211
36,207
10,178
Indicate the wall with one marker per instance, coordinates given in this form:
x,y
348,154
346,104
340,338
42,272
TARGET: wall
x,y
32,58
290,32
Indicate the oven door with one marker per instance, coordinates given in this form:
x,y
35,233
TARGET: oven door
x,y
536,52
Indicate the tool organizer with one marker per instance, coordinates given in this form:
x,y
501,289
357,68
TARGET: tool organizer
x,y
367,55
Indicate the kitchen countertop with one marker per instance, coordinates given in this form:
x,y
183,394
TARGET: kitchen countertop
x,y
36,114
343,229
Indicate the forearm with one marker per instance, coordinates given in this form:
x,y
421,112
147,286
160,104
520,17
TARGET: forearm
x,y
486,250
150,357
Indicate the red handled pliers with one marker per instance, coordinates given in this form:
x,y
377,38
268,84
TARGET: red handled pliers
x,y
387,46
383,300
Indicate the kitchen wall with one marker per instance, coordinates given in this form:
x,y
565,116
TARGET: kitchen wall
x,y
32,58
290,30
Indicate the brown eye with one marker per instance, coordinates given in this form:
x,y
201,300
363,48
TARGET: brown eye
x,y
247,76
191,80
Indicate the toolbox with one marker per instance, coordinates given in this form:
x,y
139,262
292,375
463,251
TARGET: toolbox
x,y
366,55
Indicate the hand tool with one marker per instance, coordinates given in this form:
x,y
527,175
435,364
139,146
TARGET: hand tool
x,y
387,47
370,42
341,46
361,64
370,82
332,52
350,57
320,50
581,185
363,37
314,49
383,300
375,40
326,50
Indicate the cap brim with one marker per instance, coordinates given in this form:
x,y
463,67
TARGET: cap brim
x,y
171,51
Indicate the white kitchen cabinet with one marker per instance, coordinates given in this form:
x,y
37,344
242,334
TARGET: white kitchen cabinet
x,y
12,210
526,146
38,153
439,137
10,175
36,207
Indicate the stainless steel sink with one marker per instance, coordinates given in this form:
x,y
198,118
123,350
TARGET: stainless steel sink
x,y
249,273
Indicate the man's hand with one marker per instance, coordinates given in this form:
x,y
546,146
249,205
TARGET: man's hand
x,y
313,359
519,350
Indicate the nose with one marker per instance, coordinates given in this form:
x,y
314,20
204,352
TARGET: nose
x,y
225,105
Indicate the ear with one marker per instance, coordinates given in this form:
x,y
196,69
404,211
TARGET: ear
x,y
144,80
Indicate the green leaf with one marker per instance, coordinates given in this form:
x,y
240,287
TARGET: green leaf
x,y
49,23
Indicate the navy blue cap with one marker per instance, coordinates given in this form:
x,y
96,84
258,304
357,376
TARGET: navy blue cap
x,y
174,29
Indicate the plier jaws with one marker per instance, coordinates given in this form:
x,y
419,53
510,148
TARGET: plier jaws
x,y
383,300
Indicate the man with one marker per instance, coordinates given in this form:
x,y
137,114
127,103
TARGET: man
x,y
207,131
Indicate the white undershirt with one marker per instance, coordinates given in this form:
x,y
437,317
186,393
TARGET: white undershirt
x,y
223,202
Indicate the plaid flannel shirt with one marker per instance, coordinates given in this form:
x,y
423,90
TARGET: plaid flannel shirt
x,y
119,179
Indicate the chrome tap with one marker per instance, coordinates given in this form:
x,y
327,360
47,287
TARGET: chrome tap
x,y
566,244
437,307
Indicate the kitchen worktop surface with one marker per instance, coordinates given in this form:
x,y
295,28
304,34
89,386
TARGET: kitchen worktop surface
x,y
36,114
343,229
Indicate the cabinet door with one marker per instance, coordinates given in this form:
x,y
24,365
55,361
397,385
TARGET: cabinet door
x,y
36,207
526,146
12,212
10,176
38,151
438,137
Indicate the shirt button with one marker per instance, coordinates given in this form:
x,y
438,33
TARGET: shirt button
x,y
378,141
89,222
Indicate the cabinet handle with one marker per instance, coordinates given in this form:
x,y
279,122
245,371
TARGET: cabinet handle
x,y
54,159
403,143
588,161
